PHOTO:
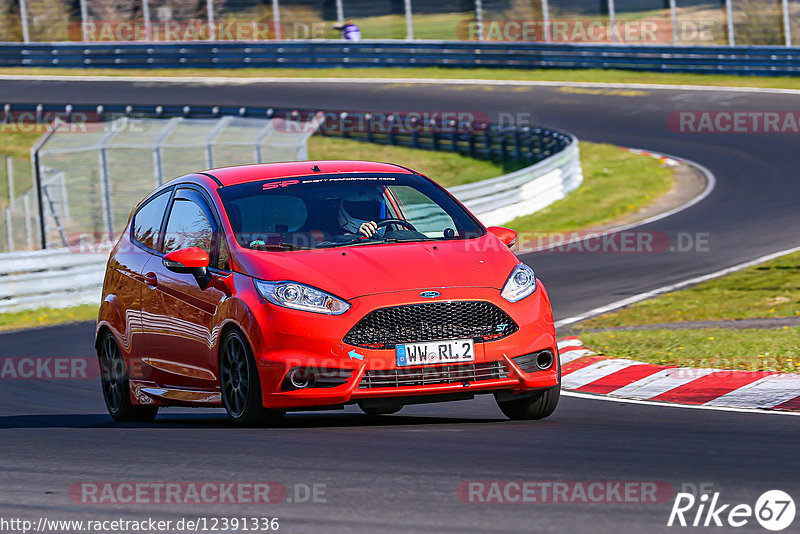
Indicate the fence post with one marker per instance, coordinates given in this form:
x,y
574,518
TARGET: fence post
x,y
479,18
148,36
673,14
731,29
10,176
212,30
105,191
276,20
409,21
339,12
546,20
612,20
23,17
787,23
26,209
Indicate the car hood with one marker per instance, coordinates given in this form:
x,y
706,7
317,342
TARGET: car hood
x,y
356,271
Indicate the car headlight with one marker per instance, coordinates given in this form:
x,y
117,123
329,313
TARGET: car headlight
x,y
301,297
520,284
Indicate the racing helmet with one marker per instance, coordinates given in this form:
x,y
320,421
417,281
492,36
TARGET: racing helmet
x,y
360,205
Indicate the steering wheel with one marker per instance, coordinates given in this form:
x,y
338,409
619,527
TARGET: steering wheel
x,y
401,222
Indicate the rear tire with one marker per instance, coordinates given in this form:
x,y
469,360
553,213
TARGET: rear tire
x,y
116,385
537,406
381,410
240,385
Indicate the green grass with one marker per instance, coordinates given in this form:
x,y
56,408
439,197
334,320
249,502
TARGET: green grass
x,y
556,75
47,316
745,349
771,289
615,184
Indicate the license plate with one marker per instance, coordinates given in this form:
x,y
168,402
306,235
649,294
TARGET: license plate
x,y
435,352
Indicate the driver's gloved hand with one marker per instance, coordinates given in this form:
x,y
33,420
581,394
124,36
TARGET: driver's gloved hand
x,y
368,229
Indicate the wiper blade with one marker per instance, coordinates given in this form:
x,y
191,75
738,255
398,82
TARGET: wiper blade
x,y
276,246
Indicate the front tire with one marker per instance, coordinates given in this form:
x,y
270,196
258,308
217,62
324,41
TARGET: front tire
x,y
116,385
240,385
539,405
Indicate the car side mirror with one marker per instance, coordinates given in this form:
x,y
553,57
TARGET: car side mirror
x,y
191,260
506,235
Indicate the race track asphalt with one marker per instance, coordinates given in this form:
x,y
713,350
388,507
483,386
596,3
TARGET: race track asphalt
x,y
400,473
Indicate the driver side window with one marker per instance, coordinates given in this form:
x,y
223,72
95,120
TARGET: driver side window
x,y
188,226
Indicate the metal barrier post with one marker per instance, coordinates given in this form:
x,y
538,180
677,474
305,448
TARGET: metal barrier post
x,y
673,13
479,18
212,30
10,176
409,21
276,19
146,14
729,15
105,191
787,26
612,20
339,12
23,17
84,21
26,207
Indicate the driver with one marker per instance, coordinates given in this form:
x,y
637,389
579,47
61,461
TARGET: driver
x,y
359,210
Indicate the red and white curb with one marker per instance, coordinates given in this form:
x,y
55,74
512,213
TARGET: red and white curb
x,y
584,371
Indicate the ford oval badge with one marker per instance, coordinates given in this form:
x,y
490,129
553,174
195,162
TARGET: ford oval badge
x,y
429,294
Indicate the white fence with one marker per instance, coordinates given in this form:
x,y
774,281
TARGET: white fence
x,y
60,278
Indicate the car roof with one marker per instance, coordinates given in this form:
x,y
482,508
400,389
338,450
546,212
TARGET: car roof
x,y
266,171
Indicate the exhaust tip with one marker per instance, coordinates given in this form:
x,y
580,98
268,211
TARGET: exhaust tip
x,y
300,378
544,360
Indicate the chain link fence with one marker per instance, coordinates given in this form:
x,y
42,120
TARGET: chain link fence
x,y
682,22
91,175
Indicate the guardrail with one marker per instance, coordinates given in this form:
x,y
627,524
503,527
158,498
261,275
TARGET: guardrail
x,y
50,278
500,200
762,60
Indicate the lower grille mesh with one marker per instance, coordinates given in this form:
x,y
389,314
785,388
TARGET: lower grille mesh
x,y
385,327
445,374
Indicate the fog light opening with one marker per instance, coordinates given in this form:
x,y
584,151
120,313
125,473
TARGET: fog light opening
x,y
544,360
300,378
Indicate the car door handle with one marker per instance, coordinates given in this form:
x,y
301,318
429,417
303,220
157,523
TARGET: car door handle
x,y
151,279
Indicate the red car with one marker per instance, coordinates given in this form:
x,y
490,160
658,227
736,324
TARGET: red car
x,y
303,286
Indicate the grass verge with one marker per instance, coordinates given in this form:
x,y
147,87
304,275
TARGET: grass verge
x,y
767,290
771,289
749,349
615,183
46,316
554,75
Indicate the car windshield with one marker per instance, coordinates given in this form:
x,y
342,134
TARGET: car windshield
x,y
327,211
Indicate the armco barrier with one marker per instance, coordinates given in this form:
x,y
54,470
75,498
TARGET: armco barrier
x,y
760,60
60,278
50,278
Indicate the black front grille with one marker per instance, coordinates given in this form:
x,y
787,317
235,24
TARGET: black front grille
x,y
425,376
384,328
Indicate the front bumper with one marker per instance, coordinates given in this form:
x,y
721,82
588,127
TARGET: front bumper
x,y
285,339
